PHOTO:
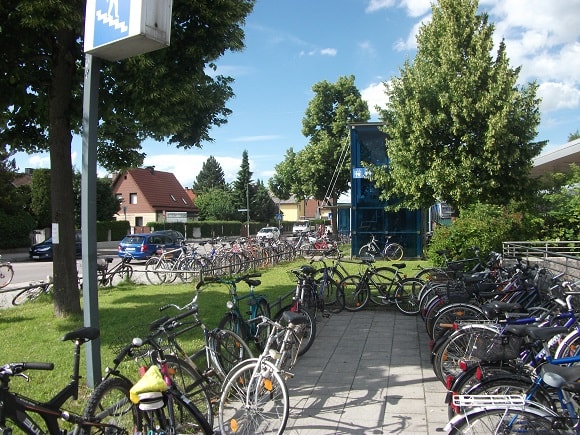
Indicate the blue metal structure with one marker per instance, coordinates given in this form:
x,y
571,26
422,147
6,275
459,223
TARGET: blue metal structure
x,y
368,214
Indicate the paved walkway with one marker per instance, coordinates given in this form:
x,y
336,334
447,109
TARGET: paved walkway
x,y
367,373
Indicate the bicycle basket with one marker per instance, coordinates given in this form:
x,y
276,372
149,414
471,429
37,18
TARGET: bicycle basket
x,y
497,348
455,292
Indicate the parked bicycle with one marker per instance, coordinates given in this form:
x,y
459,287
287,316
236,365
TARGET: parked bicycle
x,y
6,273
391,251
18,409
33,291
387,286
122,271
255,396
238,319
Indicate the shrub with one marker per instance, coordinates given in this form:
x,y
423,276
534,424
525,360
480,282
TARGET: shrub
x,y
15,229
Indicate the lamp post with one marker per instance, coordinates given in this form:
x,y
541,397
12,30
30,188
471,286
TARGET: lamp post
x,y
248,208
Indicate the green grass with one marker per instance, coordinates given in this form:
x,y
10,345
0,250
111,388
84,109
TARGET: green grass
x,y
32,333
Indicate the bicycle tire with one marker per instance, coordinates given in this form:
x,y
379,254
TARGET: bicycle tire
x,y
29,294
234,323
332,294
122,274
308,330
382,284
6,275
152,271
177,416
110,404
227,349
499,419
190,382
452,313
356,292
366,251
394,252
266,393
407,296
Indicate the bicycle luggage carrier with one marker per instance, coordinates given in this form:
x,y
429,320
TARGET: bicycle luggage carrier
x,y
466,400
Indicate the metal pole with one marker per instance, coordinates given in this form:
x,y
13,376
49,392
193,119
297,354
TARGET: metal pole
x,y
89,214
248,208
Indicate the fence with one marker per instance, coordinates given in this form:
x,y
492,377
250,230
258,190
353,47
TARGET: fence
x,y
560,256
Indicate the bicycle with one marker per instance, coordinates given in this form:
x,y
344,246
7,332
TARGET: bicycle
x,y
240,323
391,251
33,291
387,286
222,348
170,409
168,265
122,270
18,409
6,273
255,395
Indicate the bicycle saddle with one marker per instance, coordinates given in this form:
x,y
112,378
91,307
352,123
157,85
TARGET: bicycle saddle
x,y
253,282
87,333
294,318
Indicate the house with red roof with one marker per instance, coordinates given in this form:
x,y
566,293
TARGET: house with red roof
x,y
147,195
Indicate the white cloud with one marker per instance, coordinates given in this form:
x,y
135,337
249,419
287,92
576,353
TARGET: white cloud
x,y
374,95
186,167
328,51
376,5
557,96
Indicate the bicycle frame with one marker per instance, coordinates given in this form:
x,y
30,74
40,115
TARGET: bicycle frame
x,y
16,407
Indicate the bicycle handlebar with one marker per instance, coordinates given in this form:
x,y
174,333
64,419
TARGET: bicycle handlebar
x,y
13,369
232,280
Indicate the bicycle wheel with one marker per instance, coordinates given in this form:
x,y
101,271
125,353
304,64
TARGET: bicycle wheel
x,y
407,296
254,400
122,274
29,294
306,333
332,293
176,416
394,252
504,420
154,271
6,275
382,284
227,349
234,323
190,382
110,404
366,251
356,292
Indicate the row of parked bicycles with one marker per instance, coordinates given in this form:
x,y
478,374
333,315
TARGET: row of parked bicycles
x,y
505,342
234,383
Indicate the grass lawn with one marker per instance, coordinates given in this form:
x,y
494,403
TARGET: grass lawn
x,y
32,333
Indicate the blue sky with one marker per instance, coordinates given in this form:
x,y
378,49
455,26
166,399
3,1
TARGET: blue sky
x,y
293,44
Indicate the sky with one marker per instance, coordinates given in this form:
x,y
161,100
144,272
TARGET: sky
x,y
293,44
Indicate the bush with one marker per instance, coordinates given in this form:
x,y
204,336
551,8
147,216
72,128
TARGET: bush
x,y
15,229
482,225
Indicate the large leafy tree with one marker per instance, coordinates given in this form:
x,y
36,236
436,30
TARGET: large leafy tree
x,y
107,203
165,95
460,130
324,169
216,204
211,176
263,206
284,182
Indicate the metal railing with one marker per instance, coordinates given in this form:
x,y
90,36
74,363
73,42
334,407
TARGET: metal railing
x,y
560,256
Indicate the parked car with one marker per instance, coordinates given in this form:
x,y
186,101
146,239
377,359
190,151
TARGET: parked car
x,y
175,235
143,246
272,233
43,250
302,226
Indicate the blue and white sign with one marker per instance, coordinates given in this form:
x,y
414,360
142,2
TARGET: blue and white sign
x,y
359,173
111,21
118,29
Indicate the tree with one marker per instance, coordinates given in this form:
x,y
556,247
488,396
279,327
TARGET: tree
x,y
41,197
216,204
324,169
242,187
167,94
574,136
107,204
211,176
263,207
459,128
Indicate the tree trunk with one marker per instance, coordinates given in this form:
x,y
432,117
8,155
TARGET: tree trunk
x,y
66,289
